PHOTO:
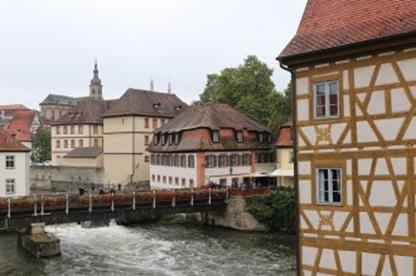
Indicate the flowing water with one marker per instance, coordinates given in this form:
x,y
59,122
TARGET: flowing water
x,y
154,249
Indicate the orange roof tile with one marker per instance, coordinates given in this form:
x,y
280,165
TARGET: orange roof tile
x,y
9,144
328,24
285,138
20,125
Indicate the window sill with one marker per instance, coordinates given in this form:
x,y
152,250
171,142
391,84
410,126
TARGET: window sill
x,y
330,204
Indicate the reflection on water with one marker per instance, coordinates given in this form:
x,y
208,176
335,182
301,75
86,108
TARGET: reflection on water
x,y
154,250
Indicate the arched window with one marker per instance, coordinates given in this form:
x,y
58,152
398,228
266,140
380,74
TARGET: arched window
x,y
191,161
183,161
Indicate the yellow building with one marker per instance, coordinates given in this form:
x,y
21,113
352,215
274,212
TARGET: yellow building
x,y
81,127
353,64
128,131
284,157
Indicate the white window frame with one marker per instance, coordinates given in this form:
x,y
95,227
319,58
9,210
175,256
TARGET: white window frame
x,y
327,96
12,183
215,136
13,157
330,187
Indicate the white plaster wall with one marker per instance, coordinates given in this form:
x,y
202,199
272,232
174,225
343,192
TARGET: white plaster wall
x,y
376,104
20,174
302,86
399,100
386,75
168,171
305,192
303,110
408,68
362,76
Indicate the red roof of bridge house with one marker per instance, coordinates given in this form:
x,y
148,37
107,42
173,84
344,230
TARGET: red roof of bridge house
x,y
329,24
285,137
9,144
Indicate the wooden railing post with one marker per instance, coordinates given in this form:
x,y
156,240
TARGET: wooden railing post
x,y
209,196
90,203
67,204
174,199
154,199
227,195
35,206
9,207
112,202
192,197
134,201
41,205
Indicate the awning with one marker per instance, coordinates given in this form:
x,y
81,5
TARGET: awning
x,y
282,172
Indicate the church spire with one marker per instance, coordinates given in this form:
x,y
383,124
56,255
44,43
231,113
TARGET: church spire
x,y
96,88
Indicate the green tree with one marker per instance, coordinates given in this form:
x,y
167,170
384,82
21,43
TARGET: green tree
x,y
42,145
250,89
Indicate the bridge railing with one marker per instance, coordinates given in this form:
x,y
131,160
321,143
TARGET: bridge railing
x,y
47,203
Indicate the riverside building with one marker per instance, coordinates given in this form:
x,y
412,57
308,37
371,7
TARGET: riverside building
x,y
353,64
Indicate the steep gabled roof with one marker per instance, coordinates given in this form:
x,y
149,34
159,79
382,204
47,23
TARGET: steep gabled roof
x,y
146,103
212,116
329,24
54,99
285,137
13,107
91,152
21,125
89,111
9,144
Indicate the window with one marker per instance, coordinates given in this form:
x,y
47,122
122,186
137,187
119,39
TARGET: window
x,y
72,143
153,177
223,161
154,123
81,143
58,144
329,186
158,178
162,122
146,159
176,160
146,122
72,129
215,136
146,139
95,129
191,161
176,180
246,159
65,144
65,130
240,137
183,181
96,143
10,160
191,183
210,161
171,138
235,160
158,159
152,159
10,186
326,99
81,129
261,137
157,138
170,180
183,161
176,138
164,179
58,130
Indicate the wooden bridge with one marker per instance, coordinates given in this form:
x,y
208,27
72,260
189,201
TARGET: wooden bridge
x,y
21,212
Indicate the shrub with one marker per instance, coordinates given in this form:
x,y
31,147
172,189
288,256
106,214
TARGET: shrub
x,y
276,210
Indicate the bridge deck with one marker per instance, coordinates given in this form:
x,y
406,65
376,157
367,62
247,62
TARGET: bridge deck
x,y
56,209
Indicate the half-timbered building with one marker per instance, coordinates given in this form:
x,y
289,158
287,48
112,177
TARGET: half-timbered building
x,y
353,64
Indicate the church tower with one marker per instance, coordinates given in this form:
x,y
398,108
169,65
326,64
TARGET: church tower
x,y
96,88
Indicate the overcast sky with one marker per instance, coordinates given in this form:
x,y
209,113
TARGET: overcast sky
x,y
49,46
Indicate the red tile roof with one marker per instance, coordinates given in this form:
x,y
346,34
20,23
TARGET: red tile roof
x,y
9,144
285,138
330,24
20,125
13,107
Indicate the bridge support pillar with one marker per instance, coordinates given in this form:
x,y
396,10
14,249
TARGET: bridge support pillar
x,y
37,242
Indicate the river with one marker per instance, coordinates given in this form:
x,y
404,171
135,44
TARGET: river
x,y
155,249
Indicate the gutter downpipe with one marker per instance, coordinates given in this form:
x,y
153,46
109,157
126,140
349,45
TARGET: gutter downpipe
x,y
295,165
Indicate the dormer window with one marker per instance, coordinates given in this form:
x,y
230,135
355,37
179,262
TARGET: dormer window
x,y
163,139
178,107
269,138
176,138
156,106
261,137
171,138
157,139
239,136
215,136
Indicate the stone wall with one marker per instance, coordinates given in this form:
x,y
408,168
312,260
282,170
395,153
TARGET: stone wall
x,y
64,179
235,217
